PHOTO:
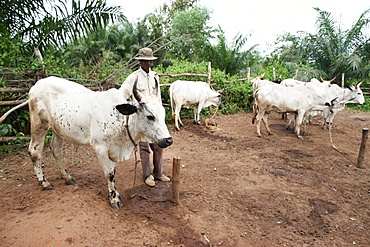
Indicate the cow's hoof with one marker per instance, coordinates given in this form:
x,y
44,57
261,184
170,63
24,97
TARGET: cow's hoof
x,y
70,182
116,205
50,187
198,123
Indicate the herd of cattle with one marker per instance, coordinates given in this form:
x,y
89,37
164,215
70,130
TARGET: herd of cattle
x,y
112,127
302,100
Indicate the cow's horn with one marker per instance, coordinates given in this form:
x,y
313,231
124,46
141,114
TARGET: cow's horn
x,y
333,100
136,93
155,92
358,84
332,79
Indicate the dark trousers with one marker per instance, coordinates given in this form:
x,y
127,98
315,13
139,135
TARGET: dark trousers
x,y
145,159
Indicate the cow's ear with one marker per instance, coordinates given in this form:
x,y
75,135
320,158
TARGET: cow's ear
x,y
126,109
351,87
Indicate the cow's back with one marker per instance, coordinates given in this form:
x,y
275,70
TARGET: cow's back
x,y
74,112
55,85
284,99
190,92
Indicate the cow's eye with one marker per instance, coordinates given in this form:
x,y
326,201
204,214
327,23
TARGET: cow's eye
x,y
151,118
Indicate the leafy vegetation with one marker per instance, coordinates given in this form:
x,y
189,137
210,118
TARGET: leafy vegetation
x,y
330,51
94,41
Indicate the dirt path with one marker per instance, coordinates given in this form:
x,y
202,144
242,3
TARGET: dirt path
x,y
237,190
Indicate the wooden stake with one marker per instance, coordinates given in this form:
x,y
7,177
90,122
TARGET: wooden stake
x,y
248,74
342,80
176,180
361,154
40,59
209,74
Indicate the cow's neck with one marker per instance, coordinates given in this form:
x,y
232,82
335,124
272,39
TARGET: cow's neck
x,y
132,128
129,131
346,95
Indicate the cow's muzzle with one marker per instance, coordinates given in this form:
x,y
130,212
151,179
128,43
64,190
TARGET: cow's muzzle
x,y
165,142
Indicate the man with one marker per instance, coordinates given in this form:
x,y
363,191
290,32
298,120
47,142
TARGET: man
x,y
146,85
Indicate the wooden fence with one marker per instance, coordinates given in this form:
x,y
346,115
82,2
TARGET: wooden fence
x,y
21,83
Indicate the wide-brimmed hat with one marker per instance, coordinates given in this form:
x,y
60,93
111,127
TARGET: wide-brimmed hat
x,y
145,54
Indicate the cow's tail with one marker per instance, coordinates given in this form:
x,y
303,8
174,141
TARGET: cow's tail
x,y
11,110
172,103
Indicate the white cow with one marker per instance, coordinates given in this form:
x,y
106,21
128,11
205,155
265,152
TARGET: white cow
x,y
352,94
192,93
260,81
299,100
96,119
291,82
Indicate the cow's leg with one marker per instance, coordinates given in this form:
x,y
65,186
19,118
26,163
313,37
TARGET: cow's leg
x,y
259,118
258,125
109,169
200,107
291,120
265,121
56,147
177,117
330,120
180,122
305,122
298,122
195,112
255,111
327,119
38,133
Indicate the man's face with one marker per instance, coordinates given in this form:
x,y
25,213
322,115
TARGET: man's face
x,y
146,64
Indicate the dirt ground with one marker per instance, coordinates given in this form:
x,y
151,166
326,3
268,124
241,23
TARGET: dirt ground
x,y
236,190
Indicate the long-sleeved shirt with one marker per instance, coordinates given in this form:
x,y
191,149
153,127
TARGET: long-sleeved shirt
x,y
145,83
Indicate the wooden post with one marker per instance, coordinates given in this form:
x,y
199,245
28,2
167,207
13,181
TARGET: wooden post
x,y
342,80
209,74
249,74
40,59
274,73
361,154
296,74
176,180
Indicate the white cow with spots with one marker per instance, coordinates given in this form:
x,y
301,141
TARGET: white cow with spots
x,y
192,93
96,119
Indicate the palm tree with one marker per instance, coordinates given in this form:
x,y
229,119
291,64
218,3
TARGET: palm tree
x,y
53,23
229,58
331,50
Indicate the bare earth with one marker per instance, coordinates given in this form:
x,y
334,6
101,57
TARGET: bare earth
x,y
236,190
